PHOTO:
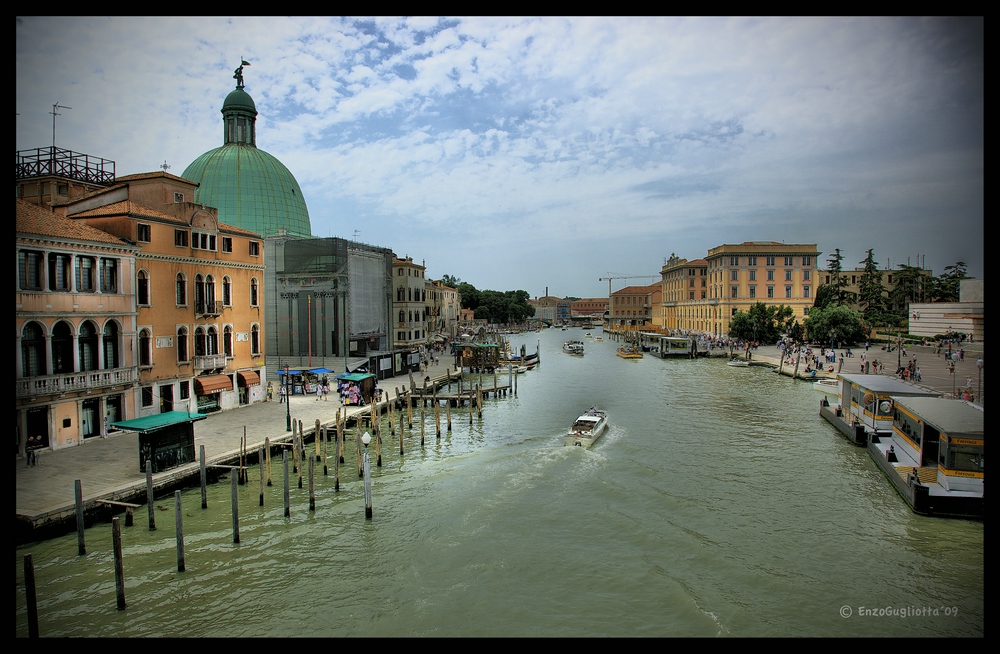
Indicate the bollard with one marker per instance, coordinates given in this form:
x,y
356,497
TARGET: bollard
x,y
234,482
179,531
116,539
295,451
78,494
317,439
312,488
284,461
336,462
326,441
267,449
421,424
368,486
32,600
448,409
204,477
437,417
260,461
149,494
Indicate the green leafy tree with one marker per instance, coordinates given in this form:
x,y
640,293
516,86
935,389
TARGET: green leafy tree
x,y
761,322
911,286
469,294
871,293
450,280
838,280
948,284
836,323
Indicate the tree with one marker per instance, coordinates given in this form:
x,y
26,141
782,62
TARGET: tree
x,y
450,280
838,280
871,293
761,323
844,323
911,285
948,284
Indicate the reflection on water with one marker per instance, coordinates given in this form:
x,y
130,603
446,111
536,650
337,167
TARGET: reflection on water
x,y
717,504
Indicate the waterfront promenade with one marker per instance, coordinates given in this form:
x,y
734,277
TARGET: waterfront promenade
x,y
109,467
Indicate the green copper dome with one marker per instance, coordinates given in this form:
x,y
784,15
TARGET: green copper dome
x,y
250,188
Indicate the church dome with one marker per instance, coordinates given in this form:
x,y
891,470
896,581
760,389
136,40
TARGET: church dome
x,y
250,188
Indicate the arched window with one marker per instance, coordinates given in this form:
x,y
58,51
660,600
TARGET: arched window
x,y
88,346
210,293
227,340
142,288
145,348
182,344
110,345
199,341
181,290
62,348
199,296
227,291
33,350
212,343
402,316
400,293
253,291
255,339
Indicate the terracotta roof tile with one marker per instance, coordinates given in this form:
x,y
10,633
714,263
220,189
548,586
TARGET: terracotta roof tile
x,y
33,219
129,208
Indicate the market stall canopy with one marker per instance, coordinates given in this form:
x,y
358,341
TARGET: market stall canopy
x,y
290,372
158,421
354,376
248,378
213,384
319,371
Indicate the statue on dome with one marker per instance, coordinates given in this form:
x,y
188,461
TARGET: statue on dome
x,y
238,73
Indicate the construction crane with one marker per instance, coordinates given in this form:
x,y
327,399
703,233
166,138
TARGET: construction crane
x,y
612,275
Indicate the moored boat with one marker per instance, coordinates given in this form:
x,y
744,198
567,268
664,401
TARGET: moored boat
x,y
587,428
738,363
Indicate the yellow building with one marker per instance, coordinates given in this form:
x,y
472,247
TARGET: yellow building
x,y
198,291
740,275
686,304
75,326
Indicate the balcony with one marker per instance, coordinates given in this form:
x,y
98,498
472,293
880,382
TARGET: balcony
x,y
213,308
75,382
209,362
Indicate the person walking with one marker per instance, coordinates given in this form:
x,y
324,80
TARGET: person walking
x,y
281,393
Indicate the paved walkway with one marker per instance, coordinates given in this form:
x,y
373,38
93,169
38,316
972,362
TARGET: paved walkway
x,y
109,467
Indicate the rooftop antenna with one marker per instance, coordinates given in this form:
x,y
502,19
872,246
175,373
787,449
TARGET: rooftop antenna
x,y
356,232
54,114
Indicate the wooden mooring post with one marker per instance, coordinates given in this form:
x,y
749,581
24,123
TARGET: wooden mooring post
x,y
260,461
30,597
267,451
234,483
116,540
81,546
284,462
179,530
204,476
149,494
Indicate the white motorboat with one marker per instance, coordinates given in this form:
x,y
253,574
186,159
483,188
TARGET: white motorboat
x,y
738,363
827,387
587,428
573,347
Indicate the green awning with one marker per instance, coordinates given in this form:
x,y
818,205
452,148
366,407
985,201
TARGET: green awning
x,y
354,376
158,421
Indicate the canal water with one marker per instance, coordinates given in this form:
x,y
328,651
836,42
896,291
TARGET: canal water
x,y
719,503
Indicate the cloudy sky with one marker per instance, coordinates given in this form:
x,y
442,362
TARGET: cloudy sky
x,y
534,153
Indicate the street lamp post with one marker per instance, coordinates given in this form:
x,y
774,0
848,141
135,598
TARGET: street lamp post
x,y
979,390
288,403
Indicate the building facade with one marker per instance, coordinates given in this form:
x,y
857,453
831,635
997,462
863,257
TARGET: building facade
x,y
632,306
686,302
75,329
330,303
740,275
445,306
199,293
409,305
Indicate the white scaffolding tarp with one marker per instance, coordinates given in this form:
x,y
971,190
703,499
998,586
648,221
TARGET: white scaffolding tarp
x,y
367,284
